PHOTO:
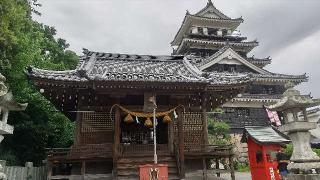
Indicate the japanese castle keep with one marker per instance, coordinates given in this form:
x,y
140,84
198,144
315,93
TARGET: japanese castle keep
x,y
108,96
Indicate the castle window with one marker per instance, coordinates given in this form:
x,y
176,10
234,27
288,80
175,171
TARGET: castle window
x,y
205,31
212,31
224,32
200,30
194,30
232,69
243,112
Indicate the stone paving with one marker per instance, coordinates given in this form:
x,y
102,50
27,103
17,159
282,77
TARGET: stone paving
x,y
197,175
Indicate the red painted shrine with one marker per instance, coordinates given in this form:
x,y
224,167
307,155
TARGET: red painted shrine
x,y
263,145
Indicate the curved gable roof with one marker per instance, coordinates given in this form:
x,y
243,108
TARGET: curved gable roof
x,y
229,53
211,11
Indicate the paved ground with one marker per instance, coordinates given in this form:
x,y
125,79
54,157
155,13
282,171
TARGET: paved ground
x,y
239,176
197,175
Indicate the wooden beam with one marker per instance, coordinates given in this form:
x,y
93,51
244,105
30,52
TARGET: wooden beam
x,y
181,143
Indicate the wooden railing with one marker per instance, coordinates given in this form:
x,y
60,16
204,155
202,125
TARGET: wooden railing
x,y
92,150
210,149
142,149
81,151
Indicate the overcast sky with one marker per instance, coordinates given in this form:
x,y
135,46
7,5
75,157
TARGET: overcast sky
x,y
287,30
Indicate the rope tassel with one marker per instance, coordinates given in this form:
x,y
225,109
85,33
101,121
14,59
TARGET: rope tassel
x,y
148,122
128,119
167,119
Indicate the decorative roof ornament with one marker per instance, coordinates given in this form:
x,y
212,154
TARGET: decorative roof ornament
x,y
85,51
210,2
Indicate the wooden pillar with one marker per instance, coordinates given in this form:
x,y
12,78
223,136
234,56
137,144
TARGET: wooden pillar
x,y
233,177
217,167
204,119
171,138
116,142
78,129
49,172
181,143
205,129
83,169
204,164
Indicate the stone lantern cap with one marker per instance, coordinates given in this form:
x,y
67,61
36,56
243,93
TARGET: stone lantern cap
x,y
292,99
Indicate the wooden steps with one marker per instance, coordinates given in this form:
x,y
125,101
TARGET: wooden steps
x,y
128,167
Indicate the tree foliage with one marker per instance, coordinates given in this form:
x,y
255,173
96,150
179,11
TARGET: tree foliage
x,y
25,42
218,130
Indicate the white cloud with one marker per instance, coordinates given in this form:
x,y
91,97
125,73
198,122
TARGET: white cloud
x,y
301,57
288,30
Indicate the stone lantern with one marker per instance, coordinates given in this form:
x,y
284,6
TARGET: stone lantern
x,y
297,126
7,103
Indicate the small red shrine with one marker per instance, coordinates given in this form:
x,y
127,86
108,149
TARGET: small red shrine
x,y
263,146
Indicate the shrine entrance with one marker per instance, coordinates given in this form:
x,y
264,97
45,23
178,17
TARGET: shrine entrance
x,y
136,138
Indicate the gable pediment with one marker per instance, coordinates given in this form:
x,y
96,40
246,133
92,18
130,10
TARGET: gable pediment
x,y
229,56
210,11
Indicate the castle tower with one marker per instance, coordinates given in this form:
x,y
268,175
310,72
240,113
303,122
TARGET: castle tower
x,y
213,39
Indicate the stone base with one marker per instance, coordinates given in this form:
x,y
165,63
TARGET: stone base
x,y
303,168
303,177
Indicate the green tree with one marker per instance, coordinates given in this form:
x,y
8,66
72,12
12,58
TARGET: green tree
x,y
218,131
25,42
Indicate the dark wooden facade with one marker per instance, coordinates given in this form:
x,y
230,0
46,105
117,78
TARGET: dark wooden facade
x,y
104,143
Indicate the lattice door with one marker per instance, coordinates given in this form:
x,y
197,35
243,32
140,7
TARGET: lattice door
x,y
193,130
97,127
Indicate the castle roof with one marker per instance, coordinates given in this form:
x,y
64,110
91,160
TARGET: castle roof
x,y
209,16
260,74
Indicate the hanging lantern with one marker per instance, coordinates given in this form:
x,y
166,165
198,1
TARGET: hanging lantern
x,y
128,119
148,122
167,119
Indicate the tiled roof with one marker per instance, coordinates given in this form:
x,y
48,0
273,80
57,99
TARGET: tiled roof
x,y
280,77
190,20
265,76
224,43
265,135
258,61
95,66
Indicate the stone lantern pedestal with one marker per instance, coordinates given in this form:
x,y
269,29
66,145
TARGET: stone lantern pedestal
x,y
305,164
303,158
